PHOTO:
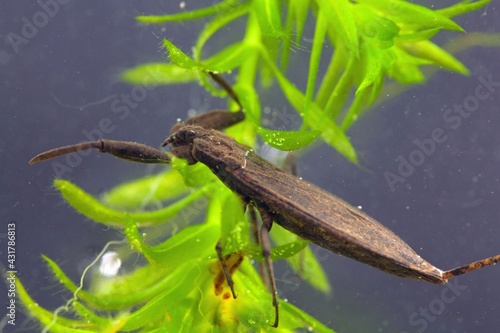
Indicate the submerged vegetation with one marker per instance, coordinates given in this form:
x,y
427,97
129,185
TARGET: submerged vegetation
x,y
173,291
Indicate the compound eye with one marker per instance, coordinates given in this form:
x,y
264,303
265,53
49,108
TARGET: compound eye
x,y
181,138
190,136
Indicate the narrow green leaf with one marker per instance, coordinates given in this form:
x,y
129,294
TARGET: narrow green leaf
x,y
87,205
190,15
462,8
341,89
155,74
90,317
197,239
373,72
227,59
339,15
104,324
125,291
161,304
300,10
268,14
234,225
417,36
249,98
359,104
185,318
406,68
429,51
273,47
473,39
287,42
331,77
149,190
314,60
178,57
411,16
284,251
310,269
288,250
46,318
193,175
223,19
316,119
210,29
302,319
375,63
60,275
288,140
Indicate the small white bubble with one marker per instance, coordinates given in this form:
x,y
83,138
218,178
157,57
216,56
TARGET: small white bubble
x,y
110,264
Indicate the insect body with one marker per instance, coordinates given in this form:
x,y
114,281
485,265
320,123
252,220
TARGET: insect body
x,y
297,205
302,207
305,209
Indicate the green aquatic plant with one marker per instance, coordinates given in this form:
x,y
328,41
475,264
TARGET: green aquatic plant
x,y
180,286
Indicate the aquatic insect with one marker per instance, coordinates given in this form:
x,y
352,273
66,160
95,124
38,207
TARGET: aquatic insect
x,y
301,207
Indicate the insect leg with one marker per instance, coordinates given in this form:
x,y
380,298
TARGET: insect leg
x,y
225,270
131,151
267,222
255,233
290,164
216,119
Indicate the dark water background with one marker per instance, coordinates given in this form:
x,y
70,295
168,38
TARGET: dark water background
x,y
62,81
